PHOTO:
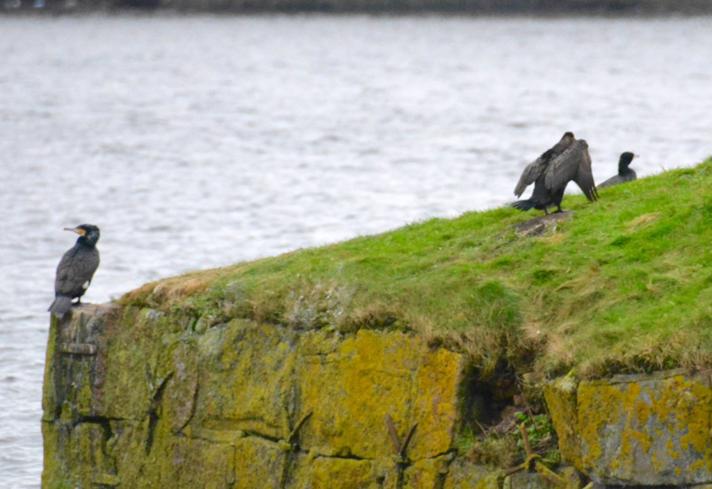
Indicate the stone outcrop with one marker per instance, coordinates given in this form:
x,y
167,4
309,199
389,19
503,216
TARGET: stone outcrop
x,y
637,430
136,398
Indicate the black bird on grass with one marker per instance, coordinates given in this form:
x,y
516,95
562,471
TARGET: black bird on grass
x,y
625,174
550,173
75,269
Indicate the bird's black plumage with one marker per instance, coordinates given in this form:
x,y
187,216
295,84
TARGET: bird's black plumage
x,y
566,161
75,269
535,169
625,174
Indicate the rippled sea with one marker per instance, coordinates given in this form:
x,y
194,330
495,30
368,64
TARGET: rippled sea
x,y
195,142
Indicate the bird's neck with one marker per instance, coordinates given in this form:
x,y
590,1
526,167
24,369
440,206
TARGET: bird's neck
x,y
85,243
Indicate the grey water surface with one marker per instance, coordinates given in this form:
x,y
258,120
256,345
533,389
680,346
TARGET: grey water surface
x,y
196,142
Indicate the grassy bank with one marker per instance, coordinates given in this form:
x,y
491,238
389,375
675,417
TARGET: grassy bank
x,y
624,285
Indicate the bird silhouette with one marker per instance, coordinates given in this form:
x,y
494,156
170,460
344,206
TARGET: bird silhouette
x,y
625,174
568,160
75,269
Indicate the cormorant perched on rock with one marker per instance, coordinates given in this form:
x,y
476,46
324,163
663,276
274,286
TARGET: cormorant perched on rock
x,y
75,269
625,174
568,160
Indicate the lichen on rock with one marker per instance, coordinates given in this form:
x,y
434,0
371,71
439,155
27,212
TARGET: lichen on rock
x,y
637,429
242,404
135,398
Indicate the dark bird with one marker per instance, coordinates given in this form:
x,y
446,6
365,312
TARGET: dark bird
x,y
550,173
625,174
75,269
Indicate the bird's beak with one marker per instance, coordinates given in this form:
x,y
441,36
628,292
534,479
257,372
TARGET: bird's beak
x,y
79,231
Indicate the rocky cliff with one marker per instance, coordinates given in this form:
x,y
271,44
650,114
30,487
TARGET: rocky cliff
x,y
135,400
451,354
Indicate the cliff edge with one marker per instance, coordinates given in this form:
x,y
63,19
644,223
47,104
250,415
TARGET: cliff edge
x,y
449,354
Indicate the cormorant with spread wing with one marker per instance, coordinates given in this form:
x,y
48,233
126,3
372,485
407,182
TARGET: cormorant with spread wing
x,y
75,269
550,173
625,174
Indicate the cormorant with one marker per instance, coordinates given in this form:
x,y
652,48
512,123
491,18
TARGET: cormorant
x,y
625,174
552,171
75,269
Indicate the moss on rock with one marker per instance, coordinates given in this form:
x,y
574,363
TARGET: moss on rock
x,y
244,404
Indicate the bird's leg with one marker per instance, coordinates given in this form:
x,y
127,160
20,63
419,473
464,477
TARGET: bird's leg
x,y
546,211
559,209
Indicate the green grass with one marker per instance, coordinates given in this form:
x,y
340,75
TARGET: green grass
x,y
624,286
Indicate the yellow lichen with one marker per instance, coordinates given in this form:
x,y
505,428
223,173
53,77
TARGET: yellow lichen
x,y
560,398
635,428
373,375
245,404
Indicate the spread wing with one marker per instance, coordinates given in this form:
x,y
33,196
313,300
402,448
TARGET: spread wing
x,y
530,174
75,271
535,169
573,164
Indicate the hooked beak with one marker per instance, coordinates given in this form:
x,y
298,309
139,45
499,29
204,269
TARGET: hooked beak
x,y
79,231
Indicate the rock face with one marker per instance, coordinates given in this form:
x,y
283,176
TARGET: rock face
x,y
134,398
637,429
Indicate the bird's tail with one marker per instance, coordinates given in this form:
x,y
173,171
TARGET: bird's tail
x,y
523,205
60,306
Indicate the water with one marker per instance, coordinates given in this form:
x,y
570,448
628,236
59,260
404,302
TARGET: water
x,y
196,142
